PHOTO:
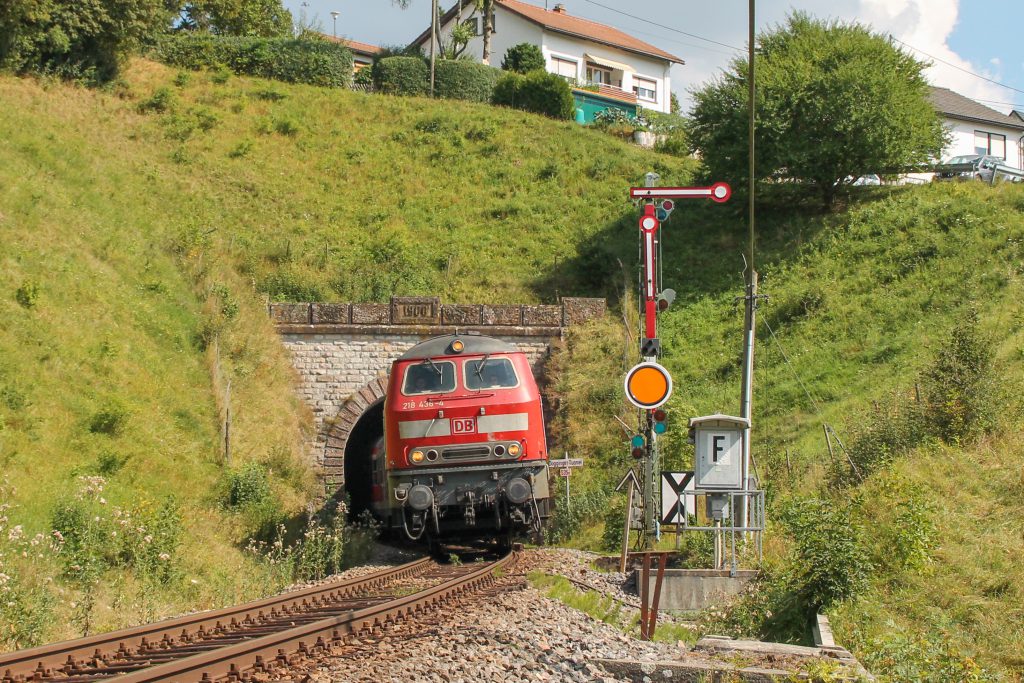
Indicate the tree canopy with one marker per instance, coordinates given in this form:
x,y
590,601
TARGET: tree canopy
x,y
834,101
258,18
523,58
82,39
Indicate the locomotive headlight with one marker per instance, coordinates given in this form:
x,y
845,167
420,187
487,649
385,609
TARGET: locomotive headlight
x,y
514,450
458,346
416,456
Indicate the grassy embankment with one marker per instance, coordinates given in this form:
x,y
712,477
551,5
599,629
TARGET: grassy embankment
x,y
862,301
143,229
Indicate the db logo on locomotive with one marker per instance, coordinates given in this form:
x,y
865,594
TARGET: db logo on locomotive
x,y
464,425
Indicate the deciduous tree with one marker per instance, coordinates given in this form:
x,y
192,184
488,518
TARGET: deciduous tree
x,y
834,101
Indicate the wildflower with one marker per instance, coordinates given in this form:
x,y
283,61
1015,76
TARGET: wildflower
x,y
15,533
195,581
164,556
148,539
58,536
113,533
103,501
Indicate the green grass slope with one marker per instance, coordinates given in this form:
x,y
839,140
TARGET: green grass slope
x,y
143,229
861,302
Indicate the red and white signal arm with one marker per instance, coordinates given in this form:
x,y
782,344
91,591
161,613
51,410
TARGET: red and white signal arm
x,y
648,385
719,192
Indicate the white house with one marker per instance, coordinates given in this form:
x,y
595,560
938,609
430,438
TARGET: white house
x,y
362,53
977,129
616,66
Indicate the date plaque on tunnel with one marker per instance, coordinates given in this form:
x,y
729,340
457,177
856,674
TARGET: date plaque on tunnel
x,y
718,443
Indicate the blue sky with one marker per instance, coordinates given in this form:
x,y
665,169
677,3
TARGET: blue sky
x,y
966,35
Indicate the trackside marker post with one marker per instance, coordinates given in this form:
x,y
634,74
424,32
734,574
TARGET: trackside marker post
x,y
648,385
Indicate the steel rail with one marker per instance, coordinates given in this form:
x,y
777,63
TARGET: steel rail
x,y
45,659
278,649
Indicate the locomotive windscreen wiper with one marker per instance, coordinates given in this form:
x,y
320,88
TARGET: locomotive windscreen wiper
x,y
430,361
480,367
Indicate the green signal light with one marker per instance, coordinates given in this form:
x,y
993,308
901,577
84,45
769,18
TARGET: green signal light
x,y
659,428
637,441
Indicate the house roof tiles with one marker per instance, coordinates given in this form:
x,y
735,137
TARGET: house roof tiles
x,y
560,22
956,106
584,28
355,45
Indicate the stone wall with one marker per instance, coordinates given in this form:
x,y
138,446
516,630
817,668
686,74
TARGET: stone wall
x,y
343,352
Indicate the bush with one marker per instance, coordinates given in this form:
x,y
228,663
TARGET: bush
x,y
249,485
464,80
315,62
109,420
401,76
538,91
523,58
832,564
962,395
28,294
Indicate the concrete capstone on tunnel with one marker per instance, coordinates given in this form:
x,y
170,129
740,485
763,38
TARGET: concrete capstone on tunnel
x,y
342,353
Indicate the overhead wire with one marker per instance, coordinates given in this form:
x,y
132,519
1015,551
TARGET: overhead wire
x,y
956,66
662,25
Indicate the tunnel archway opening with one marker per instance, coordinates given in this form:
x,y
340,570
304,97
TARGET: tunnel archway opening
x,y
368,430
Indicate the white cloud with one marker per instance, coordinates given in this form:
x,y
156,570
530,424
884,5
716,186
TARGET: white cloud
x,y
927,25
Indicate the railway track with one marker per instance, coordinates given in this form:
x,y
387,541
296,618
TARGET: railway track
x,y
234,643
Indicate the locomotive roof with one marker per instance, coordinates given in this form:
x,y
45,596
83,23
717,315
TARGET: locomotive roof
x,y
441,346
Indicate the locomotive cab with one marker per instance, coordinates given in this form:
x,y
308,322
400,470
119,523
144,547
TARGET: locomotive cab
x,y
466,454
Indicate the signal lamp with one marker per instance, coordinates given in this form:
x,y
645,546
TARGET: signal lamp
x,y
637,441
431,455
668,204
638,453
416,456
458,346
514,449
659,421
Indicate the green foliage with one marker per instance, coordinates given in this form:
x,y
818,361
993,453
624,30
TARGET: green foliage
x,y
315,62
247,485
614,519
86,39
961,387
162,100
110,419
523,58
252,18
831,562
902,518
465,80
568,520
835,101
401,75
537,91
27,295
899,657
880,435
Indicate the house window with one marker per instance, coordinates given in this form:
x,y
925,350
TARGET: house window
x,y
645,89
990,143
566,68
478,25
599,75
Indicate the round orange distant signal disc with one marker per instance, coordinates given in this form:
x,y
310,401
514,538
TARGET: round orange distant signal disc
x,y
648,385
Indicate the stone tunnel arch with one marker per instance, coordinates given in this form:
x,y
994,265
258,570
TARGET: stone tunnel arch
x,y
350,437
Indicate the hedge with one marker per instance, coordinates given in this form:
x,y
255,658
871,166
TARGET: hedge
x,y
537,91
401,76
465,80
316,62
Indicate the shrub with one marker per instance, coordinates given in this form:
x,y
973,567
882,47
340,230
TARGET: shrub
x,y
248,485
465,80
316,62
523,58
961,389
538,92
832,564
109,420
887,432
401,76
28,294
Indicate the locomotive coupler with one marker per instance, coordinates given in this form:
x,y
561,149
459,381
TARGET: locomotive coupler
x,y
469,511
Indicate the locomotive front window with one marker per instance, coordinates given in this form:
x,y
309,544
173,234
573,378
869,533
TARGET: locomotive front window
x,y
429,377
490,373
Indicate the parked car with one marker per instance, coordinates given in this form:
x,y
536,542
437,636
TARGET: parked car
x,y
869,179
968,167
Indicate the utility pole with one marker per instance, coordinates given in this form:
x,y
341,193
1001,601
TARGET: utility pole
x,y
750,295
433,42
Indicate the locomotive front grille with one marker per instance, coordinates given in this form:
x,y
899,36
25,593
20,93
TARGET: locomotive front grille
x,y
466,453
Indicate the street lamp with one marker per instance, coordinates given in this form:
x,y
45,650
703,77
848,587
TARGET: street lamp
x,y
334,15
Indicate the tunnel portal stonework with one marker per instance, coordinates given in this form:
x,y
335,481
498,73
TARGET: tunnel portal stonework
x,y
343,352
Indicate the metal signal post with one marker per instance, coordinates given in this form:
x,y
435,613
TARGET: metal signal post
x,y
648,385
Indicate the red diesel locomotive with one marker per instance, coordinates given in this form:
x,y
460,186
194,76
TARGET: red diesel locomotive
x,y
465,455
